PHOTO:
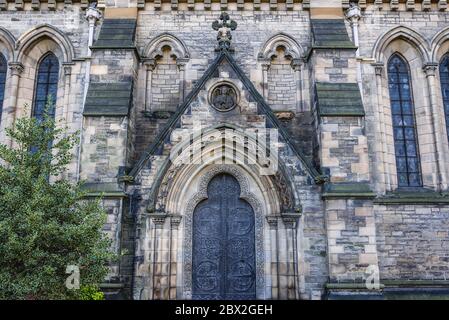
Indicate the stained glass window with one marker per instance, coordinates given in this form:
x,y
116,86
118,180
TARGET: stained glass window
x,y
444,77
3,69
46,85
404,129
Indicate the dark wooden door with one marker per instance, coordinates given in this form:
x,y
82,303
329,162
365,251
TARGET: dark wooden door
x,y
223,244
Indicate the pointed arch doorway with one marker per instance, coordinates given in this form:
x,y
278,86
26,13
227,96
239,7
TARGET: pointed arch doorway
x,y
223,253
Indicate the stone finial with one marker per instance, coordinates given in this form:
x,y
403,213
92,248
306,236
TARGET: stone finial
x,y
92,13
224,25
353,13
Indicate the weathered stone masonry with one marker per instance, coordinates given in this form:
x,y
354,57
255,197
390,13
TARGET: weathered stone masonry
x,y
136,77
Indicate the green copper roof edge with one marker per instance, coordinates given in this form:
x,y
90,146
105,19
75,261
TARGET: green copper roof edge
x,y
106,194
342,114
105,114
364,195
430,200
94,47
355,285
414,283
107,285
341,47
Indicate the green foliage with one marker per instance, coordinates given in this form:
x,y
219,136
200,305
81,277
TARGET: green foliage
x,y
91,292
45,222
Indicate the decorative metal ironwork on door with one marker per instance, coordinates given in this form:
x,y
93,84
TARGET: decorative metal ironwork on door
x,y
223,243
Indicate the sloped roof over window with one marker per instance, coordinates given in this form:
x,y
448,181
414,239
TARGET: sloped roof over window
x,y
330,33
108,99
339,99
116,33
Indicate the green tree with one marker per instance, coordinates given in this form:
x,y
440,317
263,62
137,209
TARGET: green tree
x,y
46,223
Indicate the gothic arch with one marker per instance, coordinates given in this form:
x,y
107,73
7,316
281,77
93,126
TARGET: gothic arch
x,y
282,54
7,44
293,49
414,52
277,188
153,49
404,33
29,39
31,48
440,45
201,194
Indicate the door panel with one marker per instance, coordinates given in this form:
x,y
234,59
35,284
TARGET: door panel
x,y
223,243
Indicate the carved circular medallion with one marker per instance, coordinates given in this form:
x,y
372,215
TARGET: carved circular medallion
x,y
241,276
223,98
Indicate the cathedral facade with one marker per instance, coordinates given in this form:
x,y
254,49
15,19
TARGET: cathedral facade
x,y
290,149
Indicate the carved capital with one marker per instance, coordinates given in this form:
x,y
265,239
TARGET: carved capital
x,y
430,69
265,67
158,219
16,68
149,64
175,221
378,68
290,219
181,63
67,69
92,15
272,221
296,64
354,13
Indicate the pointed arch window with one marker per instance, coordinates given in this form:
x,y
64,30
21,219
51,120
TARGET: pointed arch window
x,y
3,71
402,109
46,85
444,78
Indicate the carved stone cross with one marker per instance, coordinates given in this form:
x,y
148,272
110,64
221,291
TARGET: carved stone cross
x,y
224,25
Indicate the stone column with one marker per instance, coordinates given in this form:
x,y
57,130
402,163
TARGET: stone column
x,y
265,67
12,110
150,64
174,225
381,129
353,14
181,63
67,76
297,66
290,223
159,221
273,224
92,16
430,70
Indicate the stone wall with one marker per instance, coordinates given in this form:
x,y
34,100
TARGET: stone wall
x,y
281,84
412,241
104,148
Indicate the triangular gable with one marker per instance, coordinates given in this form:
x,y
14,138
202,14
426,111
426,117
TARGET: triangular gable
x,y
262,105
